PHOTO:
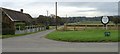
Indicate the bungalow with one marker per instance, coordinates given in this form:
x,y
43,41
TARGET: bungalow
x,y
11,19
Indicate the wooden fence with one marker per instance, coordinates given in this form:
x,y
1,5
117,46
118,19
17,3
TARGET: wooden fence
x,y
82,27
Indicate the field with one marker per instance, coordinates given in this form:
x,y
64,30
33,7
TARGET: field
x,y
89,23
88,35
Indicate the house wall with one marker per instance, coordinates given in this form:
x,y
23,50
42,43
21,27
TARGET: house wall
x,y
7,25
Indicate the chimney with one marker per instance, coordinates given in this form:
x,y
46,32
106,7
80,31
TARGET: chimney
x,y
21,10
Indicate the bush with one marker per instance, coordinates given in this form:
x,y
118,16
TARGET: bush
x,y
7,28
8,31
47,27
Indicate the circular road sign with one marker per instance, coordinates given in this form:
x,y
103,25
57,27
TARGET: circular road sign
x,y
105,20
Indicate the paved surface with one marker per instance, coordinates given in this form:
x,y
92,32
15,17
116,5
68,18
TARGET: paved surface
x,y
37,43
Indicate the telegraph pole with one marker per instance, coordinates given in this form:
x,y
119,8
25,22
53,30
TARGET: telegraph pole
x,y
47,22
66,23
56,13
66,19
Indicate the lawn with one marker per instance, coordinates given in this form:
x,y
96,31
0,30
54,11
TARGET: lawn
x,y
88,35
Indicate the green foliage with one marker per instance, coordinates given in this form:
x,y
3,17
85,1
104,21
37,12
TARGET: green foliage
x,y
47,27
7,29
89,35
115,20
46,20
22,25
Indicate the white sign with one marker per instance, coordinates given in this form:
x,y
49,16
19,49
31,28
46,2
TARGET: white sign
x,y
105,20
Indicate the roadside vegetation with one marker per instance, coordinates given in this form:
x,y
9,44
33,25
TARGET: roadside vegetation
x,y
16,35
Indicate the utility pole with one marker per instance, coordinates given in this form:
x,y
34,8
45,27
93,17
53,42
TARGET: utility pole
x,y
66,23
47,22
66,15
56,13
66,19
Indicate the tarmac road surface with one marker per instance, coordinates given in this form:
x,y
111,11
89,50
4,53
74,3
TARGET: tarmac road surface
x,y
37,43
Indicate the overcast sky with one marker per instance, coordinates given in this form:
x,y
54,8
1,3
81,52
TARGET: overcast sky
x,y
69,7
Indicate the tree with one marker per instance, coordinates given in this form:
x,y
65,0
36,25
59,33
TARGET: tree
x,y
115,19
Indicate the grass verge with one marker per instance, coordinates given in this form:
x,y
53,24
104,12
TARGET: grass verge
x,y
88,35
16,35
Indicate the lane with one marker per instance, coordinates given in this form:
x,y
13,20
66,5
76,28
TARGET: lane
x,y
37,43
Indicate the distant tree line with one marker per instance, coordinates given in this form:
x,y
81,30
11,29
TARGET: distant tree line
x,y
115,19
47,20
52,21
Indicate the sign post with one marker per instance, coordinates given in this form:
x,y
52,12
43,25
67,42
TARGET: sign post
x,y
105,21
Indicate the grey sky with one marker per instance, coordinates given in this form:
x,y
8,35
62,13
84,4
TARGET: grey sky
x,y
92,8
71,8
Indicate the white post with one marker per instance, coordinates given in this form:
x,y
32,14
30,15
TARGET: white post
x,y
30,28
27,29
19,28
106,26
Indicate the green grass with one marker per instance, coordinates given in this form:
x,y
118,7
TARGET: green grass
x,y
88,35
16,35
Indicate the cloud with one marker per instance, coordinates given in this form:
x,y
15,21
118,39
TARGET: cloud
x,y
93,8
59,1
36,7
86,9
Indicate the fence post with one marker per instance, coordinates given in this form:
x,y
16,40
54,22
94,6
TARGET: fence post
x,y
65,27
32,28
39,27
19,28
74,27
